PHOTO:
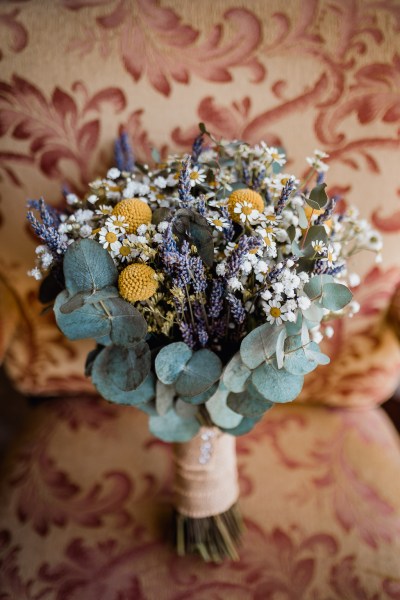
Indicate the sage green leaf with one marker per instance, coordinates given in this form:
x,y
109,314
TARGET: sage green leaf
x,y
303,221
106,293
185,410
276,385
236,374
335,296
165,395
259,344
200,398
173,428
313,314
219,411
249,403
88,266
90,360
160,214
128,325
171,360
314,287
88,321
118,371
74,302
280,354
318,198
291,231
199,374
316,232
313,352
296,360
245,425
294,328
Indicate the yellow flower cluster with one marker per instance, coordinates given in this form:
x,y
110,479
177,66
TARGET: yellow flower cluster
x,y
241,196
137,282
135,211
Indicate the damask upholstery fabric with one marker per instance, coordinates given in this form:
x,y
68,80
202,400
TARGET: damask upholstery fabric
x,y
87,489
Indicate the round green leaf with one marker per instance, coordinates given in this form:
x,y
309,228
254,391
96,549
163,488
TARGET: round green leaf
x,y
249,403
245,425
88,321
199,374
259,345
313,352
173,428
118,371
276,385
88,266
200,398
128,325
165,395
318,198
296,361
171,361
335,296
236,374
219,411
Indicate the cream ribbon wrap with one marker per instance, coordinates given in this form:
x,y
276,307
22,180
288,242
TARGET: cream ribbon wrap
x,y
206,478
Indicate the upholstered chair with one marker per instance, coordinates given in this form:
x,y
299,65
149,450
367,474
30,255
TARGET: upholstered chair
x,y
86,489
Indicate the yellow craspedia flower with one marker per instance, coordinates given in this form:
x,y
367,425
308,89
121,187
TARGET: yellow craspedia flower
x,y
137,282
135,212
247,200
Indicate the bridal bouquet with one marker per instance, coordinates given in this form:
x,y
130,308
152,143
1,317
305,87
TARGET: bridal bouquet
x,y
207,282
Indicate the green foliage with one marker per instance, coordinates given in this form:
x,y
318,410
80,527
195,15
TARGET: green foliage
x,y
191,226
296,360
88,267
172,427
313,352
276,385
316,232
318,198
164,397
314,287
87,321
199,374
220,413
171,360
245,425
335,296
235,374
200,398
260,344
118,372
249,403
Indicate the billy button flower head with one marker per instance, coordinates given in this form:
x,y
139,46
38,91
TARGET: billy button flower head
x,y
244,205
137,282
135,213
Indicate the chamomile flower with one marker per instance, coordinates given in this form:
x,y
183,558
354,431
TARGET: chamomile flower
x,y
275,312
117,223
246,211
272,154
108,238
331,256
218,221
316,161
104,210
197,175
123,253
319,246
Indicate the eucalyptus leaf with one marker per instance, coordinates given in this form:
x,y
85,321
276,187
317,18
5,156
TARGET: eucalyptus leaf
x,y
74,302
160,214
164,397
236,374
106,293
316,232
173,428
303,221
294,328
313,352
335,296
88,266
88,321
119,371
128,325
90,360
171,360
249,403
190,225
219,411
313,314
185,410
200,398
260,344
199,373
245,425
280,354
296,360
318,198
314,287
276,385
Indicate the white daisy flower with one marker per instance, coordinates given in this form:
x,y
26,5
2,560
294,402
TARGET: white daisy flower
x,y
92,198
173,179
104,209
246,211
123,253
218,221
273,155
331,256
319,246
117,223
197,175
275,312
108,238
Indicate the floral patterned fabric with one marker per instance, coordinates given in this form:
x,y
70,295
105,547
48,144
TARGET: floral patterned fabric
x,y
87,489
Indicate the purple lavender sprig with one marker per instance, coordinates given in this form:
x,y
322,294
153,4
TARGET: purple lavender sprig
x,y
327,212
237,309
234,262
229,232
197,272
47,230
123,153
197,147
216,299
187,334
284,197
184,185
257,181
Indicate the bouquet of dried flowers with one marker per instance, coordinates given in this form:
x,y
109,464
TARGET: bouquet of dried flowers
x,y
207,282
